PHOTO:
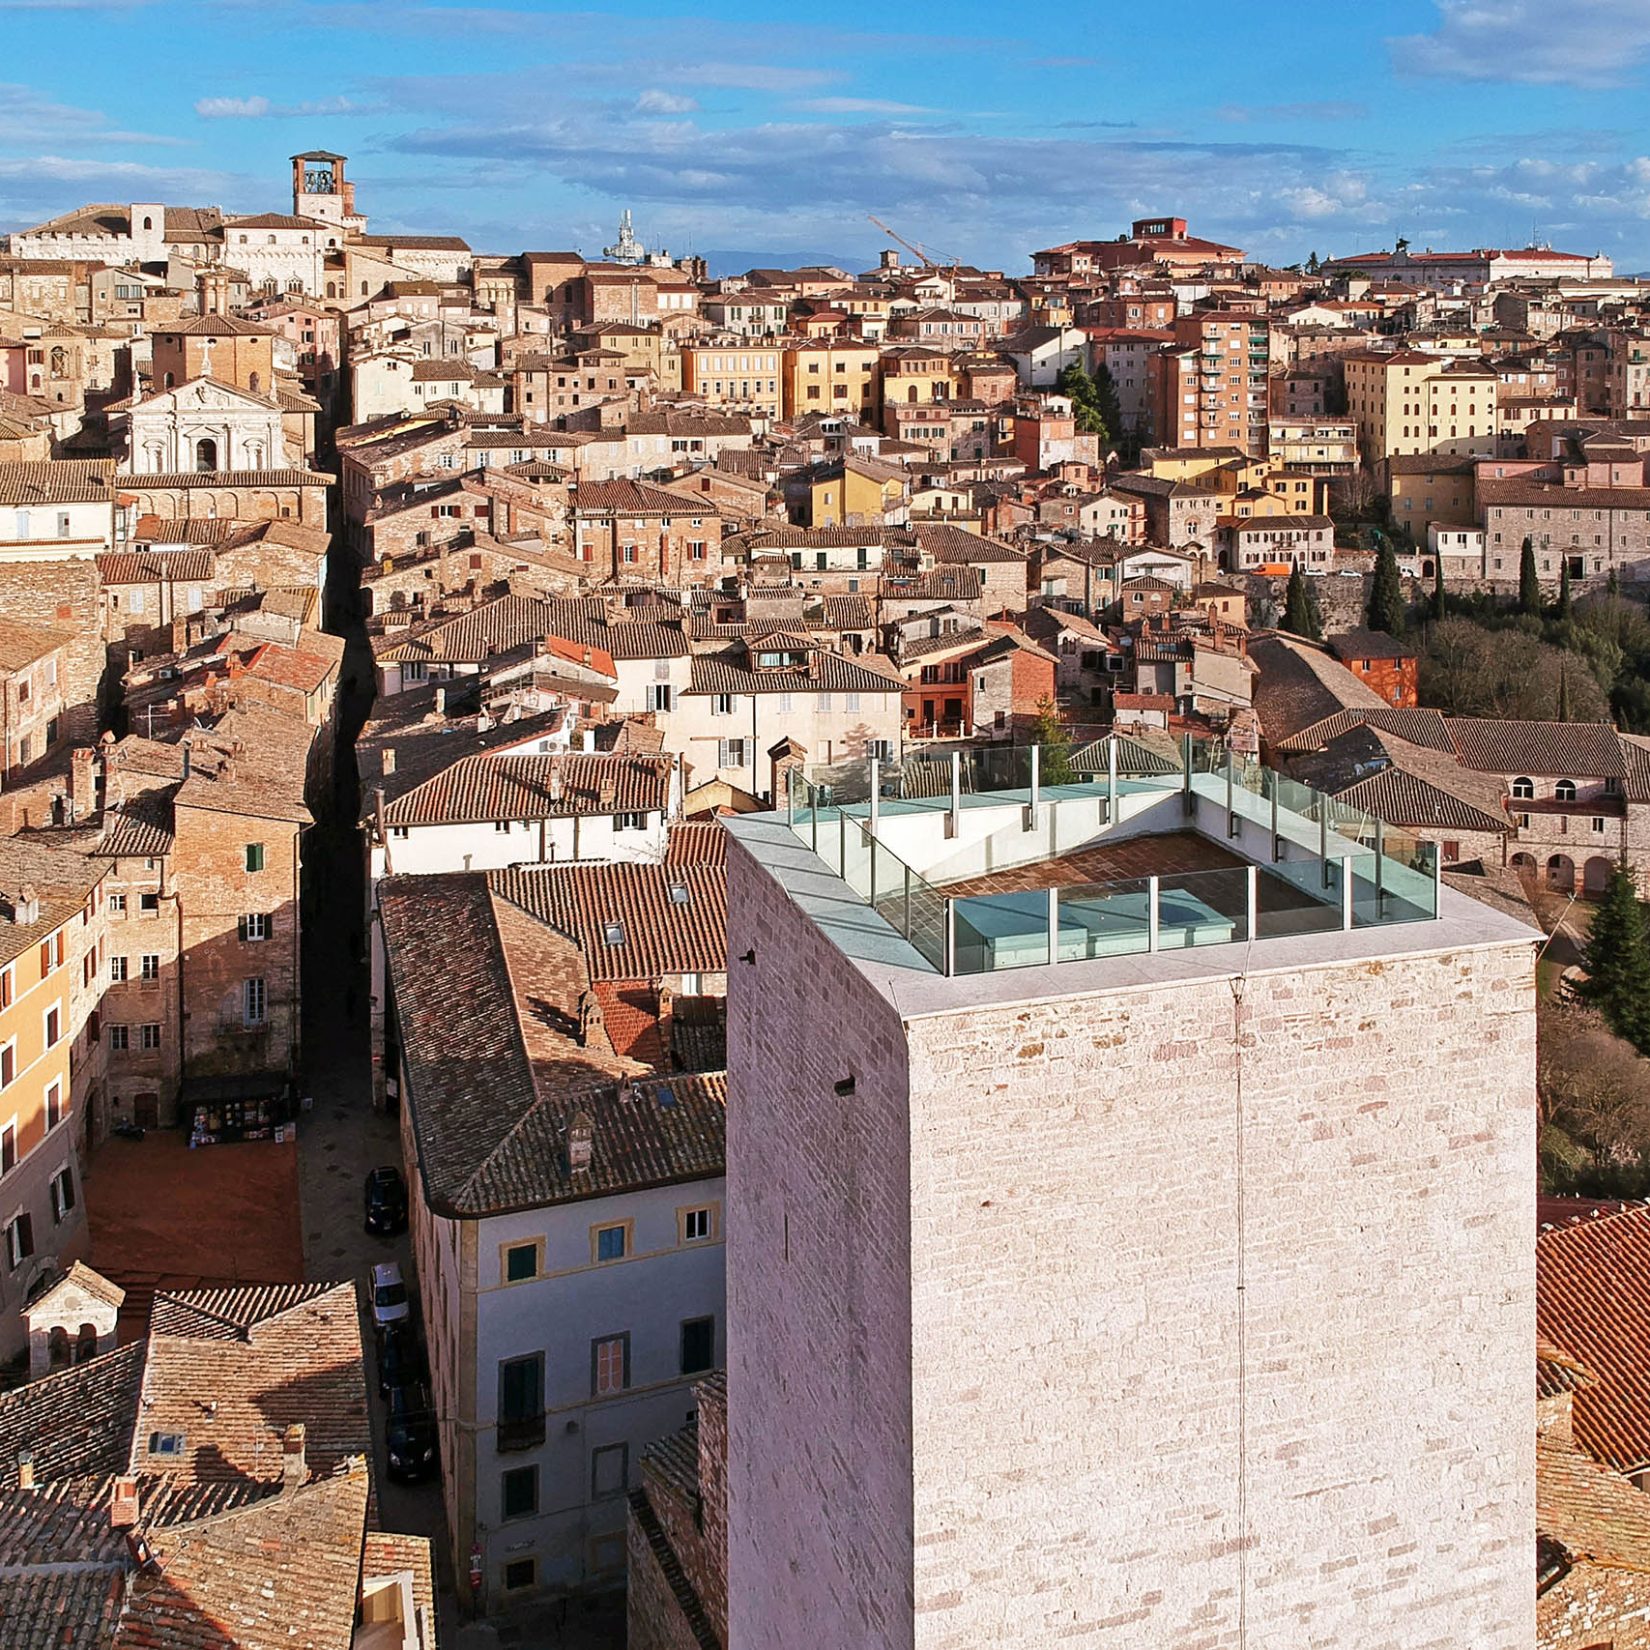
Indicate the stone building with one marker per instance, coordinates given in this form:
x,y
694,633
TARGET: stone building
x,y
985,1389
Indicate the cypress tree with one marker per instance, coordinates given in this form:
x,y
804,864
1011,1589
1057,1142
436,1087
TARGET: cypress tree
x,y
1386,593
1439,602
1529,586
1617,960
1298,616
1564,590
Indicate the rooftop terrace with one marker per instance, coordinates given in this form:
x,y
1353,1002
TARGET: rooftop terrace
x,y
996,859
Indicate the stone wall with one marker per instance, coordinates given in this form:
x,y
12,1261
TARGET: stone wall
x,y
819,1329
67,596
1222,1296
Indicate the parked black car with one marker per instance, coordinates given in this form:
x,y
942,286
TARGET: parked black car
x,y
400,1359
410,1434
386,1197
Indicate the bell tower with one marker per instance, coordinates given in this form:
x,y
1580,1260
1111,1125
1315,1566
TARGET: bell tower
x,y
319,190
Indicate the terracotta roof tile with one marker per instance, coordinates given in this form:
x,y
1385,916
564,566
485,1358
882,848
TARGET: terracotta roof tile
x,y
535,787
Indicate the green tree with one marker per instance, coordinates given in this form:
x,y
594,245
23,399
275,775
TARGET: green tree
x,y
1440,602
1312,264
1105,399
1386,592
1049,731
1617,961
1529,586
1564,589
1075,383
1300,614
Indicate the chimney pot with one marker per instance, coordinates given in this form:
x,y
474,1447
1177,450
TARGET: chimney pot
x,y
25,1469
389,761
123,1503
580,1142
293,1468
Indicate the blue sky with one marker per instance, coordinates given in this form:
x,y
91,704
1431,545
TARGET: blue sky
x,y
981,130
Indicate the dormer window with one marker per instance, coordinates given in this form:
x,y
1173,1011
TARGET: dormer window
x,y
1523,789
1565,790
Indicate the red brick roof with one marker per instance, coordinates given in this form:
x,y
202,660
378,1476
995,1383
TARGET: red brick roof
x,y
534,787
1593,1303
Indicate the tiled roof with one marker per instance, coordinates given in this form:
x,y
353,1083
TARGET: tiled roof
x,y
1408,799
1593,1514
831,673
22,644
43,1609
280,1574
1300,684
78,1422
1556,1372
227,478
954,546
58,481
1419,727
156,566
697,843
492,1091
139,828
534,787
654,632
660,933
471,637
626,498
1593,1303
1549,749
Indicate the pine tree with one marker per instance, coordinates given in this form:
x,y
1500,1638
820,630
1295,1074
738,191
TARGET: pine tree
x,y
1564,589
1529,586
1440,603
1617,960
1047,730
1386,593
1299,615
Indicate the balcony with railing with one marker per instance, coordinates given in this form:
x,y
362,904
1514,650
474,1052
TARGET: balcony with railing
x,y
990,859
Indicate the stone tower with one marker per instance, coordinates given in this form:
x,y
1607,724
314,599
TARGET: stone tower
x,y
320,192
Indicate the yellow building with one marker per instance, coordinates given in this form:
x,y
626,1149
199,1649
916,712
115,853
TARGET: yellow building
x,y
1427,490
1407,403
915,377
1210,469
848,492
51,968
737,373
831,375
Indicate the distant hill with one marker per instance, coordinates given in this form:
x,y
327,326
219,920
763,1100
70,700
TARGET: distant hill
x,y
736,263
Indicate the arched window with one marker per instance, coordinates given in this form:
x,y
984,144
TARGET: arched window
x,y
1565,790
206,455
252,382
169,381
60,361
1524,789
148,223
85,1345
57,1346
331,293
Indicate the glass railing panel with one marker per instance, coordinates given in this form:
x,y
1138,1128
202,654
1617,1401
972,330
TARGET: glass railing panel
x,y
1202,908
1103,919
1290,898
996,931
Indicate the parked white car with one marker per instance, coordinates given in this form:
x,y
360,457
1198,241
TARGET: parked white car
x,y
389,1296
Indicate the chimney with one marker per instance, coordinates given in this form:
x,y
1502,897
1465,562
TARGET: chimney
x,y
589,737
667,1022
123,1503
188,761
555,780
25,909
83,782
441,701
581,1133
293,1469
389,760
607,788
25,1469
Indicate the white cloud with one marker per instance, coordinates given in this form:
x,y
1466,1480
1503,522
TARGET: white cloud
x,y
1589,43
860,106
260,108
656,102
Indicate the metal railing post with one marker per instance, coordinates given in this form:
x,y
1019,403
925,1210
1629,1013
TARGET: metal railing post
x,y
842,845
956,793
1277,842
950,937
876,793
1346,895
1054,925
1323,836
1151,913
873,842
1232,828
1254,903
1036,775
1437,879
1111,780
907,902
1380,878
1186,761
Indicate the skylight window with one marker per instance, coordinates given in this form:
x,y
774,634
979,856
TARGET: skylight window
x,y
678,893
613,933
166,1443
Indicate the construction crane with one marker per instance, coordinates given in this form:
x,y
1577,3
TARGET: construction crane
x,y
927,262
